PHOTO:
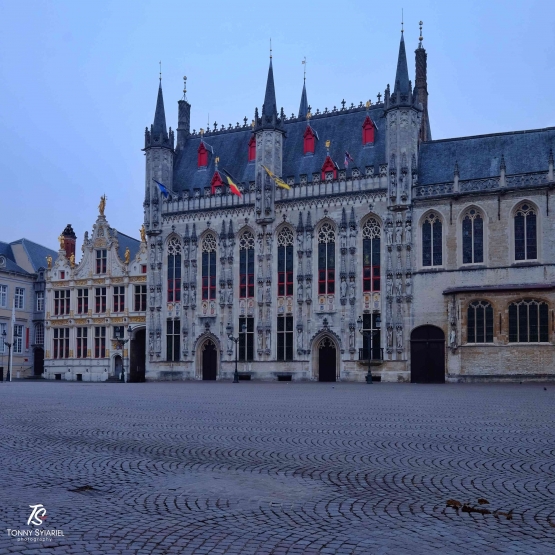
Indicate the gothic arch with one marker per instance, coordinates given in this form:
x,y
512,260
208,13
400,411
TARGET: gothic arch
x,y
244,229
282,226
171,236
324,220
516,208
198,345
314,343
468,211
428,215
370,215
204,234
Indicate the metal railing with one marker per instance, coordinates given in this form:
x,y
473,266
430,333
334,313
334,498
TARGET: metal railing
x,y
376,354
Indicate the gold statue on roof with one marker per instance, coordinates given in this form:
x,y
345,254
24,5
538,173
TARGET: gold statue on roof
x,y
127,255
142,231
62,242
72,261
49,262
102,205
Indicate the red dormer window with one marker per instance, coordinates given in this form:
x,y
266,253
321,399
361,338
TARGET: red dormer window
x,y
328,168
216,182
202,156
309,140
367,131
252,149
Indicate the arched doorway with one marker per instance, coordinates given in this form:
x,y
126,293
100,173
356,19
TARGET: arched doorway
x,y
427,355
38,361
137,356
327,360
118,367
209,360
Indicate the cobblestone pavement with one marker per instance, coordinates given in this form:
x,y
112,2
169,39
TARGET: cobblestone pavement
x,y
256,468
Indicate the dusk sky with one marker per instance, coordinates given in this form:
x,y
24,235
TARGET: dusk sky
x,y
80,78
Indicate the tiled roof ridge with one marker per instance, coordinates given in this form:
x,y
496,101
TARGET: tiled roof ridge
x,y
125,235
316,115
522,132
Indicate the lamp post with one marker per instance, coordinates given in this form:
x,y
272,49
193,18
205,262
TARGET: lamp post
x,y
229,330
8,376
120,344
370,335
3,343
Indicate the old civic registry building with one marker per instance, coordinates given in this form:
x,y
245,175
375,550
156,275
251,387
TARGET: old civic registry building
x,y
441,250
90,305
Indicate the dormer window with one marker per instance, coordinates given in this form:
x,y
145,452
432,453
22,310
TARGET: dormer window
x,y
329,170
202,156
367,131
216,182
252,149
309,140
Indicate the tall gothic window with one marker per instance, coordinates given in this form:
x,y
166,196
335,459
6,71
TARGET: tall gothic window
x,y
432,241
480,322
473,237
209,267
172,340
174,270
285,262
371,237
246,265
246,338
526,233
528,322
39,334
285,337
326,259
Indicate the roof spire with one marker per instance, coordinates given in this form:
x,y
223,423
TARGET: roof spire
x,y
303,108
420,38
160,62
402,84
269,118
402,22
159,125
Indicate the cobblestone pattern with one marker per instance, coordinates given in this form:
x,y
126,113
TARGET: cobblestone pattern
x,y
275,468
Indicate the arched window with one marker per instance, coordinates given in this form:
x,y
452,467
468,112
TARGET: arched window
x,y
371,238
431,241
528,322
525,233
252,149
480,322
473,237
209,267
246,265
326,260
202,156
174,270
367,131
285,262
309,140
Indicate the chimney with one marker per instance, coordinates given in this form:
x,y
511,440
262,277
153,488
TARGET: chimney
x,y
69,240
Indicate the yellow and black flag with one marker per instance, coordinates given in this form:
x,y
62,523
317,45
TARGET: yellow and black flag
x,y
279,182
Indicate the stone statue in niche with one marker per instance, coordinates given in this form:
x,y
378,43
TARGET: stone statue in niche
x,y
399,233
186,297
399,336
193,250
389,232
260,294
230,296
352,289
343,238
299,338
150,344
351,338
300,291
268,296
398,285
268,340
343,288
389,285
408,285
300,242
259,340
229,345
389,336
453,338
353,238
268,200
309,290
222,296
408,233
186,251
193,297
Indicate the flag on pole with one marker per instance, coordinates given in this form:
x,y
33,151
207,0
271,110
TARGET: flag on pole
x,y
278,181
232,186
162,188
347,158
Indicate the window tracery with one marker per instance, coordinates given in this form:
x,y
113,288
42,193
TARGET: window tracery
x,y
479,322
473,237
526,233
528,321
432,234
371,255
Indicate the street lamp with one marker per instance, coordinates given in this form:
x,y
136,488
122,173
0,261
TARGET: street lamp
x,y
119,343
8,376
370,335
229,331
3,343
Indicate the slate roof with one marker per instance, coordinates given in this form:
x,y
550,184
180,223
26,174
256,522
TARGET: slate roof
x,y
36,253
342,128
480,156
125,241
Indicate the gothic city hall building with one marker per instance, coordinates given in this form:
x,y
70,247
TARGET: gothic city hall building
x,y
356,243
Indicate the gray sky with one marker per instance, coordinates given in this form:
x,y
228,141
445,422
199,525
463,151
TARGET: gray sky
x,y
79,82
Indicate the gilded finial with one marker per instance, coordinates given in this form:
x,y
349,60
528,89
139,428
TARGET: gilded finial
x,y
62,242
402,22
308,115
49,262
270,48
102,205
160,62
127,255
252,124
421,38
142,231
368,104
72,261
184,87
217,160
328,143
201,132
304,64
